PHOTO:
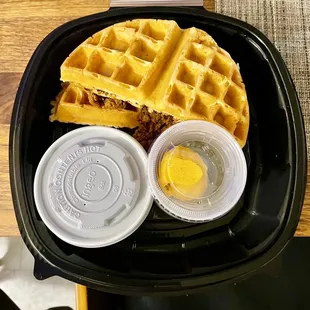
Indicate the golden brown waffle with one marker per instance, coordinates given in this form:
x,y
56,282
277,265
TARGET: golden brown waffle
x,y
124,60
155,63
74,105
202,81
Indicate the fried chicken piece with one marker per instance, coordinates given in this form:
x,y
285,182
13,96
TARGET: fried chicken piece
x,y
151,125
107,103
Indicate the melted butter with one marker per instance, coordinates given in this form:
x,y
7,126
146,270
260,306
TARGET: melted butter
x,y
183,174
184,171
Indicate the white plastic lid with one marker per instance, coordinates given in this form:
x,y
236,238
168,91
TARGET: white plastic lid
x,y
90,187
221,182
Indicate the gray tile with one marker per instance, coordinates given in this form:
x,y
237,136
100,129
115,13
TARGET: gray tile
x,y
4,246
11,249
31,294
27,260
18,282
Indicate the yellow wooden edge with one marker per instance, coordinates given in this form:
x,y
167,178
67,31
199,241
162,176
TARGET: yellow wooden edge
x,y
81,297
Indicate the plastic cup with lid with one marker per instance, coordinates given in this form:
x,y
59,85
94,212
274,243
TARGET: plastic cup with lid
x,y
196,171
90,187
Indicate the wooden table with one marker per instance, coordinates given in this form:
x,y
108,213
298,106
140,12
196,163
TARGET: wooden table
x,y
23,24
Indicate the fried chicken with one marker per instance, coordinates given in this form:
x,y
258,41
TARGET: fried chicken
x,y
151,125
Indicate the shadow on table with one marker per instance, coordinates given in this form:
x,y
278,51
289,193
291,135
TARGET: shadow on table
x,y
283,284
7,304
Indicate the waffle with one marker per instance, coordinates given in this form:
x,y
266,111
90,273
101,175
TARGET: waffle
x,y
74,104
125,60
172,71
202,81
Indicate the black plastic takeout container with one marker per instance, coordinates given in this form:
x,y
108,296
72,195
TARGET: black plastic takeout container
x,y
167,256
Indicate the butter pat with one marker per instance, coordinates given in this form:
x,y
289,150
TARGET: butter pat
x,y
183,174
184,171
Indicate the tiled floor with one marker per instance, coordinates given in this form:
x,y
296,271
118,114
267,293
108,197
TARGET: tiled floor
x,y
18,282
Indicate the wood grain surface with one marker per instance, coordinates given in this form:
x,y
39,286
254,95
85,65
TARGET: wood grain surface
x,y
23,25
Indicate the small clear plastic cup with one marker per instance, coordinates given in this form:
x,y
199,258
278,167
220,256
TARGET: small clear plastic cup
x,y
196,171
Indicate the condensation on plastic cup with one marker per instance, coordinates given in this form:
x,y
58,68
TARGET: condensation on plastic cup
x,y
225,172
90,187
